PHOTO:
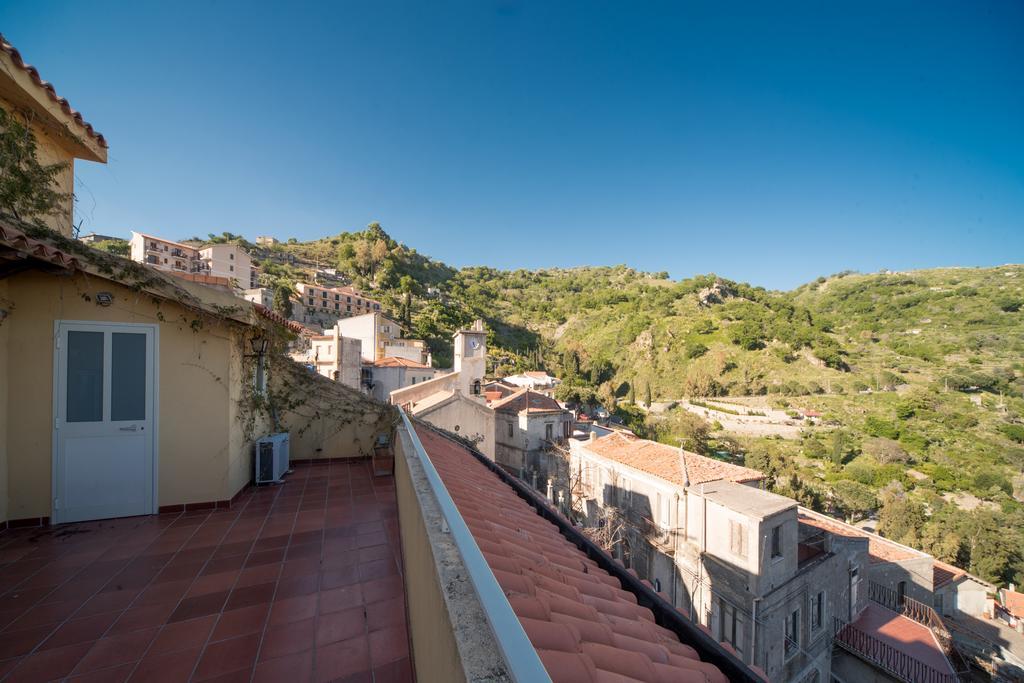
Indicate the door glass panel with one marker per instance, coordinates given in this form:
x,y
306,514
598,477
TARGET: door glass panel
x,y
128,376
85,377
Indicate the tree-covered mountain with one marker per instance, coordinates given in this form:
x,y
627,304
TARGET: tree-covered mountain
x,y
918,376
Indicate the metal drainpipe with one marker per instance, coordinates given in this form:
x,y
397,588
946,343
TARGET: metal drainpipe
x,y
703,543
753,632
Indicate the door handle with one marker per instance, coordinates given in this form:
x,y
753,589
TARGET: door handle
x,y
133,428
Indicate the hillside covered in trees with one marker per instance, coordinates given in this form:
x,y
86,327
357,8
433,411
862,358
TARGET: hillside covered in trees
x,y
917,376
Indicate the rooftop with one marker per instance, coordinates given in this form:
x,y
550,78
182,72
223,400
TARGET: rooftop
x,y
526,401
663,461
943,573
902,635
583,624
397,362
879,549
297,582
746,500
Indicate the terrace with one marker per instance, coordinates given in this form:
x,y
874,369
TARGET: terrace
x,y
444,571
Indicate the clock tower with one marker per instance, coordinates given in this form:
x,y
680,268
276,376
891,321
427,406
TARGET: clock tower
x,y
471,358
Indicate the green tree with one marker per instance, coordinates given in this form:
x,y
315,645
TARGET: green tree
x,y
647,395
283,299
28,188
854,498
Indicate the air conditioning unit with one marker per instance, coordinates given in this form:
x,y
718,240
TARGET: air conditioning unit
x,y
272,459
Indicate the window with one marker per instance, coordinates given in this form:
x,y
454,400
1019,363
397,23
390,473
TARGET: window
x,y
737,539
414,380
817,610
324,294
231,268
730,625
549,430
777,541
510,429
476,387
348,299
231,257
337,297
310,302
337,306
792,644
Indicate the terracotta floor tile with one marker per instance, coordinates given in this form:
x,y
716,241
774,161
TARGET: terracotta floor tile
x,y
250,595
254,576
342,659
227,656
388,645
382,589
293,609
45,614
341,625
287,639
385,613
80,630
340,577
399,671
241,622
199,606
120,649
295,668
182,635
213,583
50,664
110,601
175,667
136,618
341,598
114,674
297,585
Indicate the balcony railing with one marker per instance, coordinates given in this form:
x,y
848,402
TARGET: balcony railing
x,y
886,657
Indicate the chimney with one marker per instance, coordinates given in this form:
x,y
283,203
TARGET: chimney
x,y
593,435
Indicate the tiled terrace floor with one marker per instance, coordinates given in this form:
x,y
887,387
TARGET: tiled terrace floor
x,y
294,583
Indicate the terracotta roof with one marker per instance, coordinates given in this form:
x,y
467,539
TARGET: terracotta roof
x,y
398,362
879,549
273,316
537,374
16,239
662,460
584,626
943,573
903,635
65,106
528,401
1013,602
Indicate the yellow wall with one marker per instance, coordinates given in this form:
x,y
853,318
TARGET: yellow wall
x,y
4,306
200,452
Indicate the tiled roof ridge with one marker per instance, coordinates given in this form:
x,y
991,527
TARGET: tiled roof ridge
x,y
581,619
17,239
880,547
15,55
276,317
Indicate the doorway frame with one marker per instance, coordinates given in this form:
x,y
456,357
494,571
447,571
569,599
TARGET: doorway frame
x,y
154,434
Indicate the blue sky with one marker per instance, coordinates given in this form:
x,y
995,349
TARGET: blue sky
x,y
769,142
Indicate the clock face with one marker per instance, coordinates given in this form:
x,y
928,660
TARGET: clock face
x,y
474,344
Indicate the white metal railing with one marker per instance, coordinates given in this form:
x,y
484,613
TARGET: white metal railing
x,y
521,657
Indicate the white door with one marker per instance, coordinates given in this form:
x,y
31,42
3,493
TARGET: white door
x,y
105,421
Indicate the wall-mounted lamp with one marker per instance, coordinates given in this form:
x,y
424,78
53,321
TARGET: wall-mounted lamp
x,y
104,298
259,345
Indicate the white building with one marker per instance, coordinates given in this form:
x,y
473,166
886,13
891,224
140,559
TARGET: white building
x,y
230,261
455,401
536,380
391,373
260,295
166,255
337,358
527,424
383,337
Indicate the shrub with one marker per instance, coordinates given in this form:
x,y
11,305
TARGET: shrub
x,y
885,450
1013,432
876,426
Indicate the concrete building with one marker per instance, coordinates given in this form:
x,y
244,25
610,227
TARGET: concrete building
x,y
259,295
389,374
229,261
779,583
527,425
454,401
322,306
337,358
383,337
94,237
536,380
166,255
266,241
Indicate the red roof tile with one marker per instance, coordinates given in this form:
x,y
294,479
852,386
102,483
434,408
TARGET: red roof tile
x,y
16,239
396,362
584,625
904,635
1014,603
526,400
65,106
662,460
879,549
276,317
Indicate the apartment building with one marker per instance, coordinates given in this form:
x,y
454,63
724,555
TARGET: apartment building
x,y
527,424
780,584
336,357
166,255
382,338
321,305
230,261
260,295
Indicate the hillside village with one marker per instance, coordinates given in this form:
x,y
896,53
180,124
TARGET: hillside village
x,y
642,479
